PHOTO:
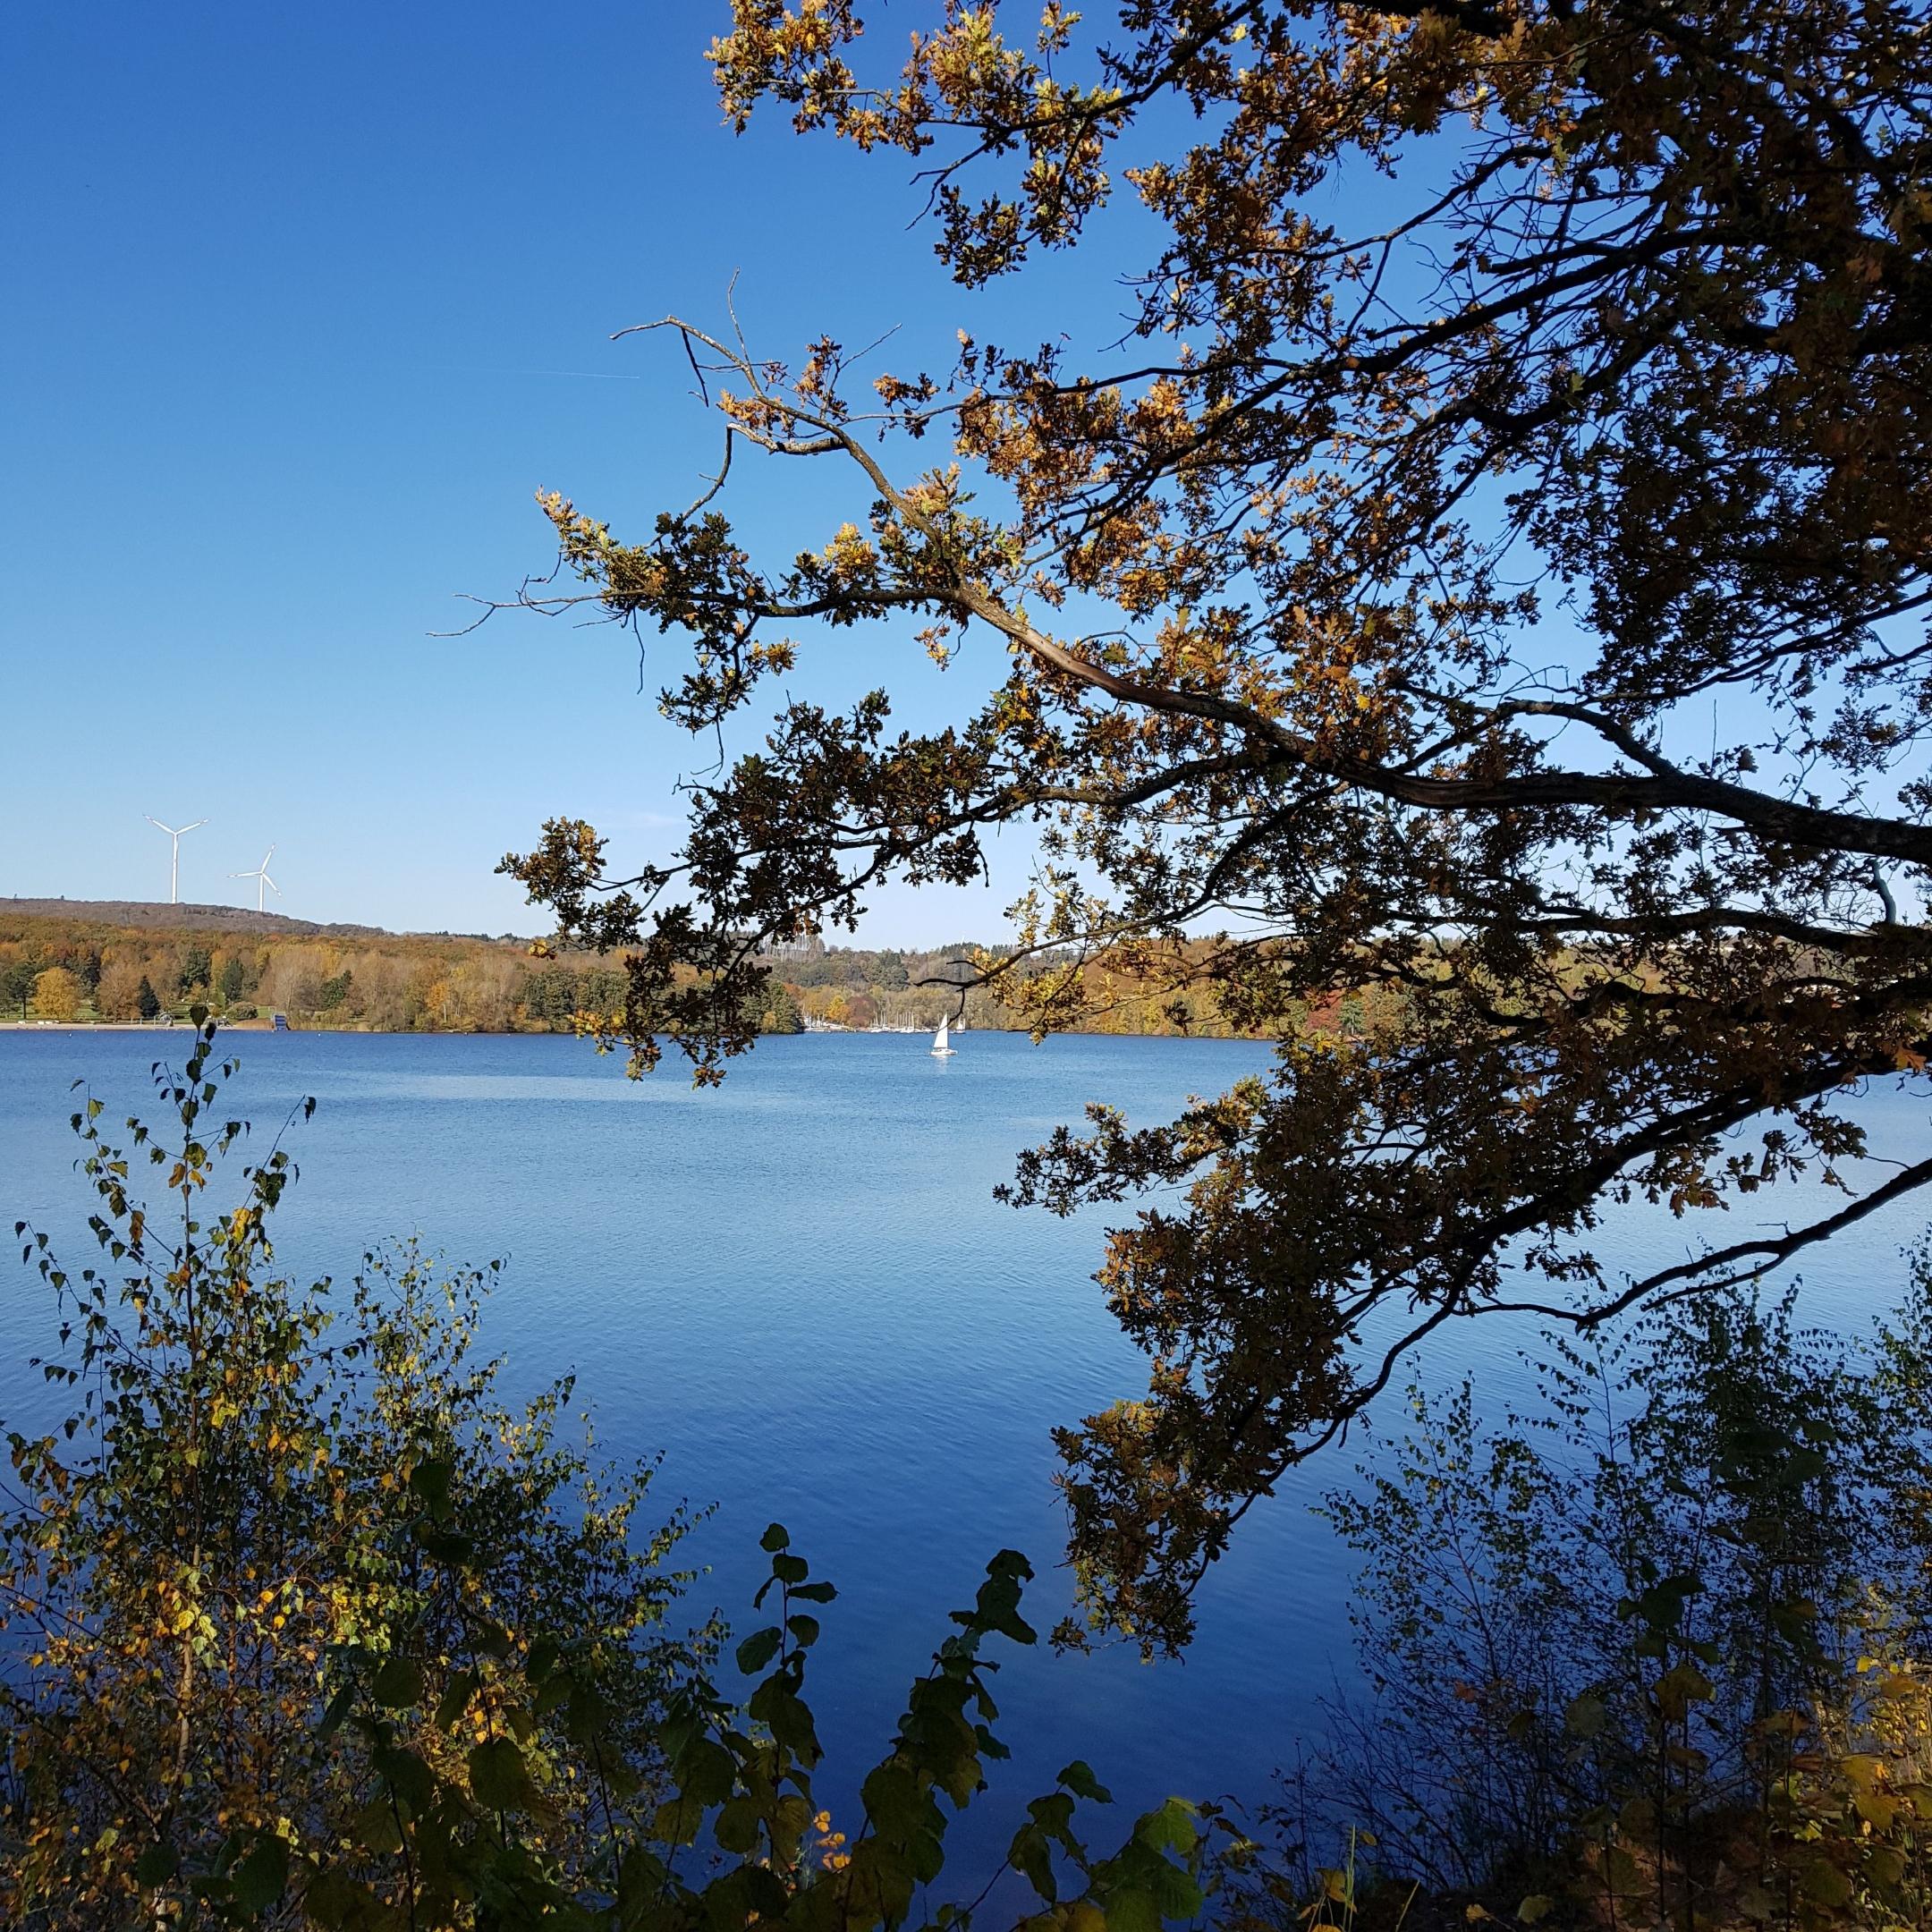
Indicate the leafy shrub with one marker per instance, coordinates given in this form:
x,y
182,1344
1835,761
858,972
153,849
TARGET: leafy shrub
x,y
1652,1656
300,1624
247,1527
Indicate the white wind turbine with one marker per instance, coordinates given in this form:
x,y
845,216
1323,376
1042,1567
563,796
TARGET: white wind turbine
x,y
264,885
174,876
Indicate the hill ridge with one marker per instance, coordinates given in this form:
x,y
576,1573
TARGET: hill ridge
x,y
158,916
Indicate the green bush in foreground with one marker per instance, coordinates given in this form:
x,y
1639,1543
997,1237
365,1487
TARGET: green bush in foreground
x,y
1651,1656
301,1625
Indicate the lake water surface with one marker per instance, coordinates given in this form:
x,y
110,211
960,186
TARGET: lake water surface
x,y
799,1289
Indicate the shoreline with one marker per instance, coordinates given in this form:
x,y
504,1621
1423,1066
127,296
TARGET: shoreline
x,y
152,1026
817,1032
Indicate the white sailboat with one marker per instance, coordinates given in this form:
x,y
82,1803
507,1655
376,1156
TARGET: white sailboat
x,y
940,1049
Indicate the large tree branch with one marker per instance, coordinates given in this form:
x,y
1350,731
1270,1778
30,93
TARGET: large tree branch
x,y
1661,787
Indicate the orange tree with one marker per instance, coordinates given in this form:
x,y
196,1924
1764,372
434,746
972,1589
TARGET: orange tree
x,y
1360,620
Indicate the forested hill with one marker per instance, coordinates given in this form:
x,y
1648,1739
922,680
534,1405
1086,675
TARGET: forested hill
x,y
77,960
71,960
136,914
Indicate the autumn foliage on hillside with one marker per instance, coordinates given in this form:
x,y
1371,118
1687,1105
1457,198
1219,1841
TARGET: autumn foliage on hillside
x,y
382,981
75,970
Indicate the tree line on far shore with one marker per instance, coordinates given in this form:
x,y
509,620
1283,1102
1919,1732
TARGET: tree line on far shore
x,y
74,971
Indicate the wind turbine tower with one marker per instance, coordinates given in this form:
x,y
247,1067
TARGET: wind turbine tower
x,y
174,875
264,885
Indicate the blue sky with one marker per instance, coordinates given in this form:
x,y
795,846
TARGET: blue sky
x,y
302,307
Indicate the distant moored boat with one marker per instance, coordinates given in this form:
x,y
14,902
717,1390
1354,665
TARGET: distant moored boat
x,y
940,1049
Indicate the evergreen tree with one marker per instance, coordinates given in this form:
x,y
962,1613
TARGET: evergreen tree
x,y
149,1004
16,984
781,1014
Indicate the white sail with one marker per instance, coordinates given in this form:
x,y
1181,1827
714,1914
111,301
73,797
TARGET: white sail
x,y
941,1049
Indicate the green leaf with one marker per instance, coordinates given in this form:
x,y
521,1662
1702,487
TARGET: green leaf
x,y
498,1777
1585,1716
332,1898
444,1545
790,1569
737,1826
156,1865
262,1877
407,1775
705,1772
789,1820
925,1855
676,1823
590,1714
398,1684
1681,1686
374,1827
790,1719
879,1884
804,1630
814,1592
1637,1818
456,1699
893,1803
775,1538
1132,1911
1176,1895
1824,1882
431,1479
745,1894
1032,1857
491,1638
338,1710
758,1649
1078,1778
1170,1828
1054,1814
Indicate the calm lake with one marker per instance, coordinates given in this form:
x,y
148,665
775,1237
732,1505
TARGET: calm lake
x,y
800,1291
